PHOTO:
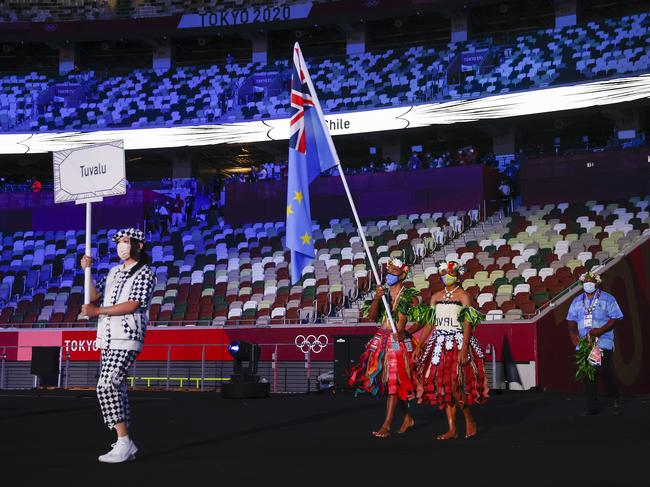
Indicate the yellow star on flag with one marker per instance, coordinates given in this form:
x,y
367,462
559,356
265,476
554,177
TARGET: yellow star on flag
x,y
290,210
306,238
298,196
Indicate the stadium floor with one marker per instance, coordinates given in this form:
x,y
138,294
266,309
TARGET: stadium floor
x,y
525,438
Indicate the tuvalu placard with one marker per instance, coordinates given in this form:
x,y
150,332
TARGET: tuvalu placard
x,y
89,173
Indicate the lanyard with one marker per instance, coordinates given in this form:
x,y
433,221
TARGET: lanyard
x,y
394,303
592,305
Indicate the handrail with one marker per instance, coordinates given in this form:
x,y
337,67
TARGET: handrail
x,y
199,382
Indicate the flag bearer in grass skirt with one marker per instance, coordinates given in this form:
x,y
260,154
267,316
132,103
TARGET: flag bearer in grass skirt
x,y
386,366
450,369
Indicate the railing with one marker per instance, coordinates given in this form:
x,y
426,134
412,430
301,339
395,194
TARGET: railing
x,y
214,367
284,373
229,323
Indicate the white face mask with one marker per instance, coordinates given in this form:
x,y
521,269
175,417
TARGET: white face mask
x,y
124,250
589,287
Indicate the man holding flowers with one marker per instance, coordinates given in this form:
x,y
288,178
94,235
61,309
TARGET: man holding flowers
x,y
592,317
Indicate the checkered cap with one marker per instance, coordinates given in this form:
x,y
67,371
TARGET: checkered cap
x,y
130,232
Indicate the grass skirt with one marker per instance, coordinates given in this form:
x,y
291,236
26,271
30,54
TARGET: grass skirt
x,y
441,381
385,367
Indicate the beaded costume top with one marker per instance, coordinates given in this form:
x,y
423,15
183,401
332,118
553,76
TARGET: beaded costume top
x,y
447,313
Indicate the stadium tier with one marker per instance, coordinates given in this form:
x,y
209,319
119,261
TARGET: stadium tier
x,y
195,95
225,276
48,10
42,11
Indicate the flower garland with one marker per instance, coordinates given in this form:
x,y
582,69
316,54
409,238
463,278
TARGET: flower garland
x,y
586,369
472,315
404,305
422,313
592,276
451,266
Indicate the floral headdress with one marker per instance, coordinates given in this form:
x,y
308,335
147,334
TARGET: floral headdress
x,y
454,266
395,262
592,276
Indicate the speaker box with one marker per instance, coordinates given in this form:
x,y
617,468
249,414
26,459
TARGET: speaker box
x,y
347,351
45,364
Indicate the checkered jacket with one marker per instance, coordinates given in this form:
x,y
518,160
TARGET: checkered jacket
x,y
125,332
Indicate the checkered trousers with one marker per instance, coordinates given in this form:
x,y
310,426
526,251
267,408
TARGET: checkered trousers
x,y
111,387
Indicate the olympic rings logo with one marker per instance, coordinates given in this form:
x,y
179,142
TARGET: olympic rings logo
x,y
311,343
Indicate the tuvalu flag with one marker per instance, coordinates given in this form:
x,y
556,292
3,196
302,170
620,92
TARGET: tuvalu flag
x,y
311,151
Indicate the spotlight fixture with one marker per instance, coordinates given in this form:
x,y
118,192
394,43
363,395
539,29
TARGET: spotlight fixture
x,y
244,383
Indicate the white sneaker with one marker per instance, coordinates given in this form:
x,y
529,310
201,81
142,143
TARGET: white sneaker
x,y
121,452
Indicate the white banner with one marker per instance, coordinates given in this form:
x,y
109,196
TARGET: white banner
x,y
89,173
620,90
243,16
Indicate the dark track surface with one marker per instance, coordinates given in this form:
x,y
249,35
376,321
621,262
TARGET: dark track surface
x,y
199,439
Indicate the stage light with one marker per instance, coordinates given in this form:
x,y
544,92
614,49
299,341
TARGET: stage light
x,y
244,382
240,350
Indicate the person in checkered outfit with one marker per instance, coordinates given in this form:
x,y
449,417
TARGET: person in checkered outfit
x,y
125,294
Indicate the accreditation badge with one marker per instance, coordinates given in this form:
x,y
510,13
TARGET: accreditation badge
x,y
408,344
588,322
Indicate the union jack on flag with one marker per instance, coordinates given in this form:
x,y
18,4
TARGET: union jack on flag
x,y
300,101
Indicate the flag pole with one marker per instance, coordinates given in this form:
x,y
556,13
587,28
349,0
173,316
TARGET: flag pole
x,y
375,274
365,242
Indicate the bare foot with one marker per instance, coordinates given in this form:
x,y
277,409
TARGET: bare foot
x,y
470,429
449,435
408,423
382,432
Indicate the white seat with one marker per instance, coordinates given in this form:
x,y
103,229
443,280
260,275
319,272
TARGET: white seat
x,y
428,271
465,257
484,298
587,225
495,314
528,253
517,260
584,257
278,312
235,313
485,243
522,288
452,256
528,273
519,247
545,272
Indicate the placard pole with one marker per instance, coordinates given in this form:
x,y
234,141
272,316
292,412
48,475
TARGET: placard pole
x,y
88,252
